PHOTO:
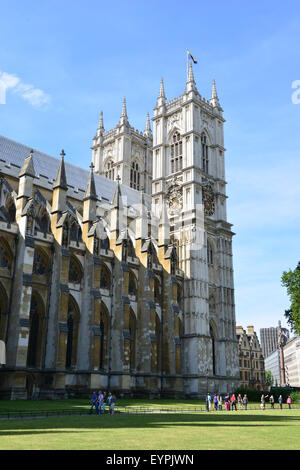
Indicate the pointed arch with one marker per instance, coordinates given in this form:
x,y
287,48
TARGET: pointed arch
x,y
176,153
73,322
132,339
6,256
105,277
41,262
132,284
36,331
3,312
213,337
75,270
178,332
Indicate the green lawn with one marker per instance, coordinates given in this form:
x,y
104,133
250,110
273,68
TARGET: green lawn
x,y
122,405
223,430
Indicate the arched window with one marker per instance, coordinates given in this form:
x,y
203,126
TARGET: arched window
x,y
178,332
75,233
75,271
5,255
36,332
72,333
213,347
176,153
135,176
11,210
110,171
132,339
40,263
174,262
105,278
3,313
210,254
204,146
43,222
132,285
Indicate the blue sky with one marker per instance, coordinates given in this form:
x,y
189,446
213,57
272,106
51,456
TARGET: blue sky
x,y
67,61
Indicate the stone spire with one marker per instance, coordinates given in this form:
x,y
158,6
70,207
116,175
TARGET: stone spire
x,y
164,226
90,192
61,180
148,131
117,199
161,100
116,220
101,125
162,89
191,84
28,166
124,117
214,101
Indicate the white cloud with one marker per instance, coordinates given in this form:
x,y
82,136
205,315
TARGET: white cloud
x,y
34,96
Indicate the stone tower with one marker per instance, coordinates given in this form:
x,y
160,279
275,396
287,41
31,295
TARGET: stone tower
x,y
189,179
124,152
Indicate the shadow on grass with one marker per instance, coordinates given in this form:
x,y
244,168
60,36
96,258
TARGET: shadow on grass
x,y
57,425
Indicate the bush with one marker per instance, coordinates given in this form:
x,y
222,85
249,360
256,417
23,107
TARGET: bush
x,y
295,396
255,395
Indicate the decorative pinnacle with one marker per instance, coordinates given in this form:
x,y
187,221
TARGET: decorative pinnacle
x,y
148,127
101,126
28,166
124,109
91,188
61,179
191,73
162,89
214,93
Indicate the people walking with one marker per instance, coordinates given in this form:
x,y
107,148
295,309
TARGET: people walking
x,y
233,402
280,400
263,401
104,402
208,401
216,402
94,403
100,401
112,404
272,401
245,402
289,402
240,402
220,400
227,403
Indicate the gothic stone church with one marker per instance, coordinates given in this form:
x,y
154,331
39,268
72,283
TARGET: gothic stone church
x,y
101,283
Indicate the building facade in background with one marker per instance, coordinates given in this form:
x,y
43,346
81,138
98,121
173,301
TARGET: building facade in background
x,y
251,360
269,339
291,352
121,277
272,364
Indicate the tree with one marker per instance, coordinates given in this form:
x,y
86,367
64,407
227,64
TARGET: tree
x,y
269,378
291,280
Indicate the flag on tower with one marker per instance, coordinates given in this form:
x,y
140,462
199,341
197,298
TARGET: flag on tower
x,y
192,57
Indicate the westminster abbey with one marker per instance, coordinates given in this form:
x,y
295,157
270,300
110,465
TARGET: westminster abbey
x,y
120,277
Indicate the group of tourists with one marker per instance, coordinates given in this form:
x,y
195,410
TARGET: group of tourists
x,y
272,401
229,400
101,400
233,402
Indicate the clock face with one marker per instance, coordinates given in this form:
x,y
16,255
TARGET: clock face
x,y
208,198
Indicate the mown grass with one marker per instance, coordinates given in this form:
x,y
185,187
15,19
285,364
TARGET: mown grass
x,y
276,429
84,405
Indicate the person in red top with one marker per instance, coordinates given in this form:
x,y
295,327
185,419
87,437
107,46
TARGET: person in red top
x,y
233,402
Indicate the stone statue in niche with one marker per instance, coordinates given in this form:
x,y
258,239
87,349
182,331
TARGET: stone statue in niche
x,y
208,198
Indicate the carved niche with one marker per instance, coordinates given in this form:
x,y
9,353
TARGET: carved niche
x,y
208,199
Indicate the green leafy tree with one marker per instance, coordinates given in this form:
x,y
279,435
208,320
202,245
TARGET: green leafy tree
x,y
269,378
291,280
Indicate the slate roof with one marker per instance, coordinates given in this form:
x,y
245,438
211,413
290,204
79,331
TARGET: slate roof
x,y
13,154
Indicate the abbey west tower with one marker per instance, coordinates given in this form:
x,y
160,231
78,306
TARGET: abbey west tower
x,y
189,177
99,291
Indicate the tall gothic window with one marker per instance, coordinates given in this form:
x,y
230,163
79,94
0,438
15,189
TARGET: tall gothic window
x,y
110,171
204,146
210,254
135,176
213,346
176,153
